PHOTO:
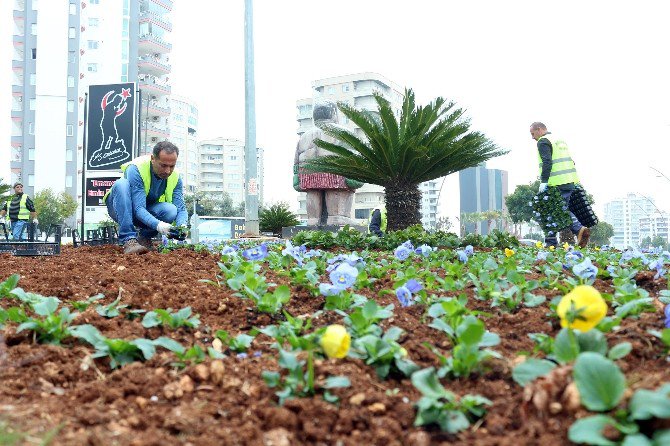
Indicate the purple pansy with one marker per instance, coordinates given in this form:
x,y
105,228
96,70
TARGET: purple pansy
x,y
256,253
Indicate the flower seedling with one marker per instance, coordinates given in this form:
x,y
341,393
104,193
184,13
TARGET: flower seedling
x,y
384,353
53,327
169,319
237,344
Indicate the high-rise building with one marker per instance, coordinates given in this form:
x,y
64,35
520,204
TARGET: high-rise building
x,y
653,226
222,168
625,215
62,47
357,91
482,190
183,124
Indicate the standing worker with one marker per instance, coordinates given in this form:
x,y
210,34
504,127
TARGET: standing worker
x,y
557,169
149,196
21,210
377,223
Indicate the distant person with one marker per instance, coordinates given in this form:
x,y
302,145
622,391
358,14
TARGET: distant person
x,y
21,211
557,169
149,196
377,224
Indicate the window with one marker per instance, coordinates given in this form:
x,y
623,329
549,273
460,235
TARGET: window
x,y
34,5
71,56
233,158
345,88
70,106
73,9
69,130
33,29
31,180
31,128
126,7
70,81
32,103
33,78
31,154
72,32
331,90
362,214
93,67
92,44
33,53
93,22
126,28
68,181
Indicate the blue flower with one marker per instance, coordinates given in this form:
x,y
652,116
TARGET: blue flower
x,y
658,266
667,316
666,255
541,255
462,256
469,250
344,275
424,250
256,253
294,251
408,245
585,270
328,289
352,259
413,285
164,240
404,296
228,251
611,269
571,257
242,355
402,252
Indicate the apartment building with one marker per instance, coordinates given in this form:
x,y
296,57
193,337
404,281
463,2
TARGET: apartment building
x,y
482,190
357,90
625,215
222,168
59,49
183,124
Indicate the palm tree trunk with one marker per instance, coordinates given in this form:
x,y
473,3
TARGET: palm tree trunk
x,y
403,206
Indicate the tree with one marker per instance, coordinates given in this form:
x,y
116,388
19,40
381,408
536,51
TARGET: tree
x,y
443,224
214,204
472,217
601,233
426,143
276,217
53,208
5,192
490,217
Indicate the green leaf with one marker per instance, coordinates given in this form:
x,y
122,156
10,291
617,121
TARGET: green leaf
x,y
288,360
169,344
662,437
619,351
566,347
589,430
646,404
470,331
146,346
592,341
88,333
599,380
406,366
272,379
151,319
453,421
333,382
636,440
47,306
531,369
427,382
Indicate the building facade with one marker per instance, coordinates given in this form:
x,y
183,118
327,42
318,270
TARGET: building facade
x,y
625,215
222,168
60,47
653,226
357,91
482,190
183,124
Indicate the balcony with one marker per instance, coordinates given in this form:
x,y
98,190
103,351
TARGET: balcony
x,y
154,131
153,66
155,109
17,88
17,115
154,88
162,5
19,15
155,19
151,43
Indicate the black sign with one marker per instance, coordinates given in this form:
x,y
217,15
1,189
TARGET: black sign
x,y
96,188
111,125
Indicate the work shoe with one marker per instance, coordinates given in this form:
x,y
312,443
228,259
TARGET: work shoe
x,y
146,242
132,246
583,237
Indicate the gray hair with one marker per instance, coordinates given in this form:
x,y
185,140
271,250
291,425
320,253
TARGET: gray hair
x,y
165,146
538,125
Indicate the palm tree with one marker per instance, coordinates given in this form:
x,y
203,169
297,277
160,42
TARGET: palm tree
x,y
425,143
490,217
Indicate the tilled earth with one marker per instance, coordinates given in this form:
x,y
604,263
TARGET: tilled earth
x,y
59,391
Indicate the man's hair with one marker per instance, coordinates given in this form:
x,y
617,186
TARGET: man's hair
x,y
538,125
165,146
18,183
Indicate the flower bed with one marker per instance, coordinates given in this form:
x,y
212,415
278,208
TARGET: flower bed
x,y
439,342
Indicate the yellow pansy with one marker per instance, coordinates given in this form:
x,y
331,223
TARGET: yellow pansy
x,y
566,246
552,247
335,341
509,252
539,244
584,306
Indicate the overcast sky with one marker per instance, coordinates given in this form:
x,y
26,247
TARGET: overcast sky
x,y
596,72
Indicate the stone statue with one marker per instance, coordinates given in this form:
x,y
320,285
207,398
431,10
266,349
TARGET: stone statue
x,y
329,196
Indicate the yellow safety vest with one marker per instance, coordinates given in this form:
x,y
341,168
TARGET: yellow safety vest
x,y
382,226
143,164
24,213
563,169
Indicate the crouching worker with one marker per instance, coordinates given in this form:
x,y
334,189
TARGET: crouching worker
x,y
148,197
377,224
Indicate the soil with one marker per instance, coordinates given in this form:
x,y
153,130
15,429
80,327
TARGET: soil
x,y
59,390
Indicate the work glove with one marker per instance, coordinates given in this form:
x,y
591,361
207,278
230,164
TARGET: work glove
x,y
177,233
163,228
543,187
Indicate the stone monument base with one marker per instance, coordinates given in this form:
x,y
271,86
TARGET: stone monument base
x,y
290,231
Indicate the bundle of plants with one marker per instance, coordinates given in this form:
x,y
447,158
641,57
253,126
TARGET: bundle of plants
x,y
550,210
580,205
